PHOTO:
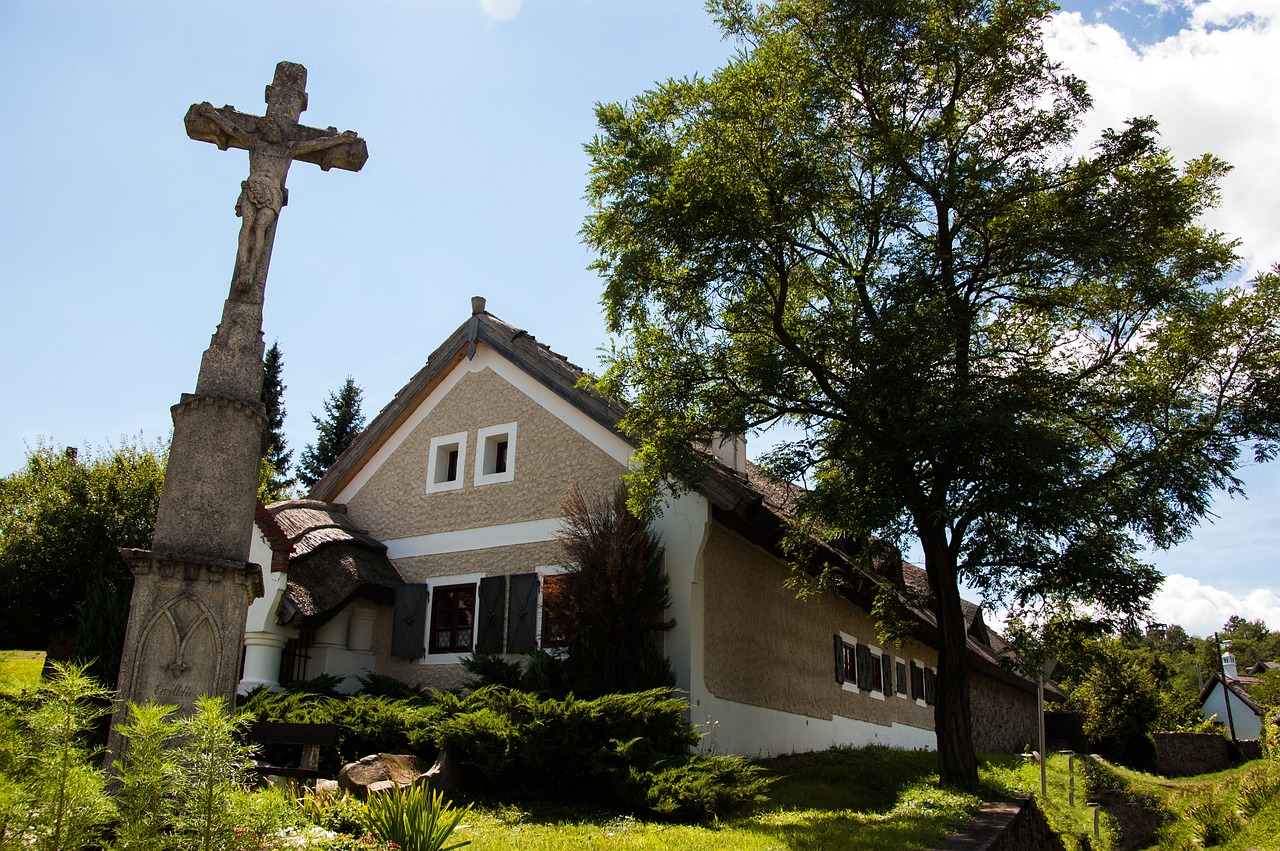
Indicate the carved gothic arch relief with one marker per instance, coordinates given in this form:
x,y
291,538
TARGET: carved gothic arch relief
x,y
183,631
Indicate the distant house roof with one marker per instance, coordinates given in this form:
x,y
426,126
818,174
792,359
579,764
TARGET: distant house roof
x,y
752,504
331,561
1236,687
1260,668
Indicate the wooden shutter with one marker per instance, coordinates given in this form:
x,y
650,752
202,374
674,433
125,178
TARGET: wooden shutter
x,y
864,667
839,659
522,615
489,616
917,682
930,686
886,667
409,629
902,678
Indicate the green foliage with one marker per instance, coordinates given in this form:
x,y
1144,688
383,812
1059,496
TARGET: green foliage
x,y
147,773
703,787
63,519
341,425
414,818
215,769
366,724
490,669
1119,703
872,226
277,483
615,597
53,798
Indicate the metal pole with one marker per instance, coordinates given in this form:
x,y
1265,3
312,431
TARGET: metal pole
x,y
1044,783
1071,780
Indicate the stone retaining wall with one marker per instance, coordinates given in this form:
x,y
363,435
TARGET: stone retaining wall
x,y
1184,754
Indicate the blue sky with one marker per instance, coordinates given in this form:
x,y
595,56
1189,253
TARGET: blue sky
x,y
117,233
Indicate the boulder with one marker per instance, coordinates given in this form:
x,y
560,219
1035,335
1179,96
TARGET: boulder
x,y
443,777
400,769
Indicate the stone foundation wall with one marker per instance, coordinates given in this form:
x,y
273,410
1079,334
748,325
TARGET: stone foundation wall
x,y
1006,826
1004,718
1184,754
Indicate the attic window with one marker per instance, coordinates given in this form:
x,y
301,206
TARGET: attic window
x,y
495,454
444,463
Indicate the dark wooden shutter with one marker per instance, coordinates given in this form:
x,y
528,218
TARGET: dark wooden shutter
x,y
917,682
522,615
409,629
489,616
930,686
902,678
864,667
886,667
839,659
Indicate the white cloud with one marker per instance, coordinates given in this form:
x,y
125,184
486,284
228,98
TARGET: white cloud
x,y
1201,609
1212,86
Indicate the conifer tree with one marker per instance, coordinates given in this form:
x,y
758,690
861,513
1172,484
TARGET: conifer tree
x,y
274,446
341,425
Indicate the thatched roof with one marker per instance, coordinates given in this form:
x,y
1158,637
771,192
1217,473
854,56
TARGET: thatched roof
x,y
331,561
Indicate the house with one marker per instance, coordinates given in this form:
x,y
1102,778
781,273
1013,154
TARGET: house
x,y
1227,686
433,536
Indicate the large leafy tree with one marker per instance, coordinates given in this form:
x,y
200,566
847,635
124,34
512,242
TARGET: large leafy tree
x,y
63,519
276,456
870,226
342,423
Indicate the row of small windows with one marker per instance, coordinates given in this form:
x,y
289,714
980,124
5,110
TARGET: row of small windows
x,y
494,462
862,667
467,617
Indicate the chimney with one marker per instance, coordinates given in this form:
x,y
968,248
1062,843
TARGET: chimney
x,y
477,305
1229,666
731,451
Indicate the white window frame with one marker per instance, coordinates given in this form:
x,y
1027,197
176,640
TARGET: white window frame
x,y
440,446
483,438
433,583
846,685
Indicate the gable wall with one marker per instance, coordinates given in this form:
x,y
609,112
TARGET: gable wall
x,y
549,456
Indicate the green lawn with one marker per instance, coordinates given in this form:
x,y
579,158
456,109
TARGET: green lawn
x,y
873,798
20,668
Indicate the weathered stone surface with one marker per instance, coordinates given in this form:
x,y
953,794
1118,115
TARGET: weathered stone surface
x,y
444,776
192,589
400,769
1184,754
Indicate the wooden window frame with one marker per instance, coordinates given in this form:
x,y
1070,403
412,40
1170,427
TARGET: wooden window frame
x,y
458,612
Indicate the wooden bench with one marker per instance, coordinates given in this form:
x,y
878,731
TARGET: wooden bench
x,y
310,737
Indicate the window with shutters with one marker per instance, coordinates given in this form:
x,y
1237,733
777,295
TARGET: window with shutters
x,y
917,683
453,612
900,680
495,454
444,462
846,659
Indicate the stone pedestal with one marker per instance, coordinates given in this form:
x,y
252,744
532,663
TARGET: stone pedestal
x,y
186,629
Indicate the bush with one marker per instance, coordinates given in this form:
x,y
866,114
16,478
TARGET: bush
x,y
702,788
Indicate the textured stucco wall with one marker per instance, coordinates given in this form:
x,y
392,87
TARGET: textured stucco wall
x,y
549,458
763,647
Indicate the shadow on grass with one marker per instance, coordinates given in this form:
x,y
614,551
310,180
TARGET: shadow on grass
x,y
865,780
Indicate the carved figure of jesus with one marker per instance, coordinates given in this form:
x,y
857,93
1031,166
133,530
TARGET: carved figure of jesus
x,y
273,141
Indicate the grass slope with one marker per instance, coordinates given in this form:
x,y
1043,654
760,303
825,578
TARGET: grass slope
x,y
20,669
867,799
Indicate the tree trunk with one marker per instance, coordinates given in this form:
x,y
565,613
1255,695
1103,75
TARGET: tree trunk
x,y
957,765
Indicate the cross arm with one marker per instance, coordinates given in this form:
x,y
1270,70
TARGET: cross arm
x,y
225,127
329,148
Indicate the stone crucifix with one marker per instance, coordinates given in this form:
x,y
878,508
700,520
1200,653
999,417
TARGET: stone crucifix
x,y
273,141
191,590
